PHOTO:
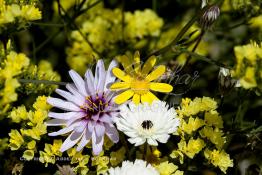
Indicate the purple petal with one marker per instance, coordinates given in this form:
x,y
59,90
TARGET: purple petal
x,y
81,126
68,106
106,119
71,140
75,118
79,82
111,132
99,129
85,139
97,144
91,126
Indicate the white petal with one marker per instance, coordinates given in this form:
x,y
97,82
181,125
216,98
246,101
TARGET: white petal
x,y
71,140
65,116
55,122
79,82
68,106
100,76
69,97
90,82
151,141
64,130
110,78
163,138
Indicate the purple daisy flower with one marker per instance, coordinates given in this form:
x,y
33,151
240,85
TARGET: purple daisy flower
x,y
90,109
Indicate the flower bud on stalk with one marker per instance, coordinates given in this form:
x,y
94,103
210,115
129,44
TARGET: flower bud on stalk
x,y
226,82
209,17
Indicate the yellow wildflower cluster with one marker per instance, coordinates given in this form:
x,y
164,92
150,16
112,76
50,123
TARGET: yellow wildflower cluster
x,y
17,12
142,23
79,159
201,127
42,71
249,65
167,168
101,162
104,30
219,159
34,126
13,65
50,152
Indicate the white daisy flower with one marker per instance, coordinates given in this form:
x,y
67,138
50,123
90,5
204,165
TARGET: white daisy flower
x,y
147,123
139,167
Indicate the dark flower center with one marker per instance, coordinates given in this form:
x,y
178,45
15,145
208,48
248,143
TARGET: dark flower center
x,y
94,105
147,124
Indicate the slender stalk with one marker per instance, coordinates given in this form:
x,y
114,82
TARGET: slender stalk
x,y
145,151
47,82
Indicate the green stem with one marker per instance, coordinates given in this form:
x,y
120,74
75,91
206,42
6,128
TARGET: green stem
x,y
47,82
203,58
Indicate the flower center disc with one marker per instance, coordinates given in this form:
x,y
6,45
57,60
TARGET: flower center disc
x,y
94,105
139,86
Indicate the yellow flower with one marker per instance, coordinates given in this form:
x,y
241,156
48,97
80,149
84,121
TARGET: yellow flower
x,y
137,81
41,103
212,118
192,125
219,159
30,13
18,114
31,145
28,154
193,147
101,162
16,140
165,168
214,135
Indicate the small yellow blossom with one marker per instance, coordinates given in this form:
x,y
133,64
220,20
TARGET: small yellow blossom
x,y
28,154
192,125
16,140
31,13
214,135
212,118
137,81
166,168
219,159
41,103
31,145
18,114
247,68
193,147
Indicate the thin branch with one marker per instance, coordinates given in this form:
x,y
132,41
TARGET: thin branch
x,y
47,82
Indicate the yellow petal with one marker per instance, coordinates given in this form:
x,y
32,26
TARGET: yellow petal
x,y
161,87
150,62
148,97
137,62
120,86
127,64
156,73
123,97
121,75
136,99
